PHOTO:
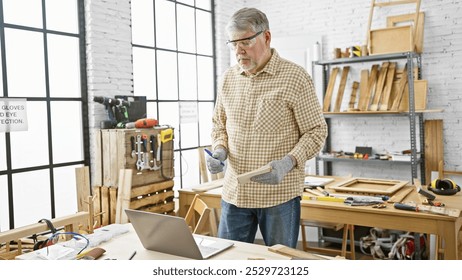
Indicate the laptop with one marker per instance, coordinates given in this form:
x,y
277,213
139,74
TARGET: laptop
x,y
171,235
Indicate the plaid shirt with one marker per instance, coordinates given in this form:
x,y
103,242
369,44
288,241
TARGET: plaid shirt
x,y
263,117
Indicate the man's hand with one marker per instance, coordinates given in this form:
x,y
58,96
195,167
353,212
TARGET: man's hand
x,y
215,162
279,169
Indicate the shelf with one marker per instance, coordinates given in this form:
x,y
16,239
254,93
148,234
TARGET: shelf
x,y
377,113
369,58
331,159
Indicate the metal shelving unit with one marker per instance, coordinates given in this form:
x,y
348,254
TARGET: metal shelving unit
x,y
414,117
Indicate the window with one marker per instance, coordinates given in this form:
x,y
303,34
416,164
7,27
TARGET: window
x,y
43,61
173,66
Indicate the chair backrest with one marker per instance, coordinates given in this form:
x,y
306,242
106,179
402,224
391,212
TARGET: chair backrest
x,y
206,176
199,215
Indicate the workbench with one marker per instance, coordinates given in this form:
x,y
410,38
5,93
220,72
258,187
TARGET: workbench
x,y
127,245
445,227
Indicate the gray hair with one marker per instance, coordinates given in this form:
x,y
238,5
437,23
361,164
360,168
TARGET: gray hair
x,y
247,19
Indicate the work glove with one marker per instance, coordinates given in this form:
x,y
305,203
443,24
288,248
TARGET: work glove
x,y
279,169
215,163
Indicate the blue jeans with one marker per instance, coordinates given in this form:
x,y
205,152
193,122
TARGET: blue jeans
x,y
278,224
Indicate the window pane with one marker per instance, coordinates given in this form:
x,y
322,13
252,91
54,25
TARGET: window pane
x,y
204,4
31,189
4,212
204,37
24,60
205,123
189,135
186,33
165,24
188,2
205,78
64,66
30,148
66,128
65,192
167,77
168,115
143,22
144,72
24,12
2,152
62,15
187,76
190,160
1,77
151,110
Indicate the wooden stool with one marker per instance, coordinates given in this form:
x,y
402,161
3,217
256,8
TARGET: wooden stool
x,y
346,229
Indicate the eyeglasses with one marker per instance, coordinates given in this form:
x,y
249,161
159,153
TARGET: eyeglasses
x,y
244,43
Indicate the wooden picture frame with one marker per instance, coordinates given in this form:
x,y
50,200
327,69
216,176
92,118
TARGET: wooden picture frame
x,y
369,186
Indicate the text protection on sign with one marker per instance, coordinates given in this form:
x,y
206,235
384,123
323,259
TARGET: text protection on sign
x,y
13,114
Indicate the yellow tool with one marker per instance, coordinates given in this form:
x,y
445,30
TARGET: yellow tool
x,y
166,135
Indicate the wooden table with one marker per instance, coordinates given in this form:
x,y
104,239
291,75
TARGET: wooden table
x,y
389,218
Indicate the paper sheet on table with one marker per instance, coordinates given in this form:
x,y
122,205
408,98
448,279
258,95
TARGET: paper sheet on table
x,y
317,181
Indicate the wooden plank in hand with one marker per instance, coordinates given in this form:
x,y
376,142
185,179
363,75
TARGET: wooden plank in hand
x,y
379,88
245,177
354,90
363,88
341,89
330,89
387,89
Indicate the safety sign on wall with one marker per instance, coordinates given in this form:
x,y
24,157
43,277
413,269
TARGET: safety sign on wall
x,y
13,114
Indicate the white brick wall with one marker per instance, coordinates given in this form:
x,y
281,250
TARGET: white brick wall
x,y
109,61
344,23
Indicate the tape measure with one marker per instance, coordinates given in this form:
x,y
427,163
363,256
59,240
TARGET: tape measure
x,y
166,135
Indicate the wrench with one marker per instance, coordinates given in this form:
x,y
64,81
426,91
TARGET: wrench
x,y
139,162
145,153
153,147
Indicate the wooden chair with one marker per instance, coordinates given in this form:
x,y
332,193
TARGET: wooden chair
x,y
200,218
347,230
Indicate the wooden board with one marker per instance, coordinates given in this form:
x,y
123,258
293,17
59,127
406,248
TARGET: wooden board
x,y
330,89
419,29
369,186
208,186
400,195
371,83
420,96
434,147
354,91
341,88
400,91
379,88
123,195
245,177
82,177
388,86
297,254
363,89
391,40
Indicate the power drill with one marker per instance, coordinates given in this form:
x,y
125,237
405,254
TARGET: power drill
x,y
116,110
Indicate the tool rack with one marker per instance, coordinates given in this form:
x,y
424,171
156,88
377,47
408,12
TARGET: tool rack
x,y
412,59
